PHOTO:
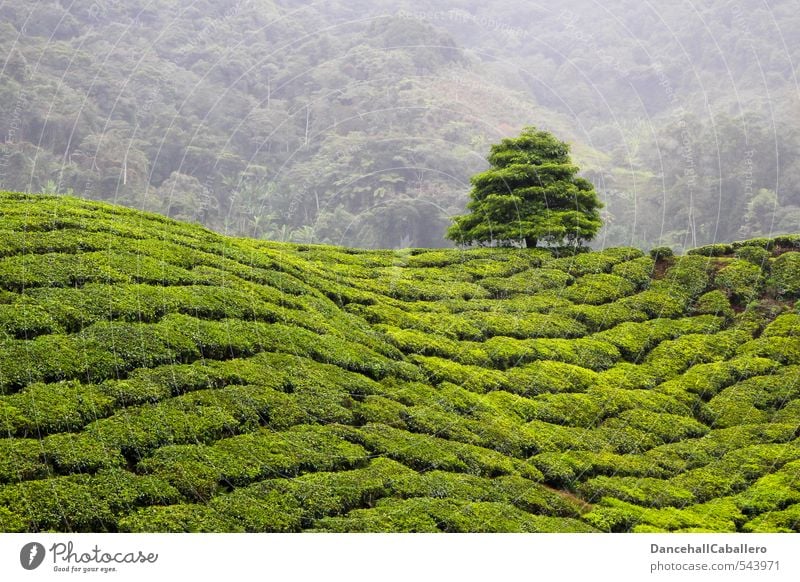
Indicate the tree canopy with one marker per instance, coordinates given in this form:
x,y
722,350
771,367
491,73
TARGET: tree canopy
x,y
531,194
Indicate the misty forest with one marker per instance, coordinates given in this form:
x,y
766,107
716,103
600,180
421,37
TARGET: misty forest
x,y
360,123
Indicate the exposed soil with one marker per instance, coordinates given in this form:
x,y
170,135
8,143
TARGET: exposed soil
x,y
584,506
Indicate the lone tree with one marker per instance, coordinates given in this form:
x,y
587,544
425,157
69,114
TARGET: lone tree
x,y
531,193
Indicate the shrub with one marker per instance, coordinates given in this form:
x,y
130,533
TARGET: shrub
x,y
662,299
772,492
377,409
188,518
547,437
523,325
717,443
753,400
137,431
409,393
661,253
55,270
786,325
586,263
84,503
442,423
197,470
445,485
581,410
785,350
634,339
786,274
10,522
623,438
672,357
429,258
645,491
787,241
427,344
569,468
403,287
23,320
549,376
627,376
472,378
424,452
545,302
20,460
51,358
754,254
690,274
667,427
58,407
595,289
713,250
534,498
257,510
448,515
511,406
79,453
735,470
330,493
254,406
786,520
720,515
194,470
714,303
496,266
134,391
706,380
741,280
762,242
637,271
528,282
598,317
615,400
403,518
737,405
614,516
298,449
586,352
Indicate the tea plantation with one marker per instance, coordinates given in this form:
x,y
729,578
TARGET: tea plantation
x,y
156,376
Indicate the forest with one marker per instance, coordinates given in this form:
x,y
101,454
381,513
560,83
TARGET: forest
x,y
360,123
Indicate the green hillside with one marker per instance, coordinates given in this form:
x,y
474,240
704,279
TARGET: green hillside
x,y
156,376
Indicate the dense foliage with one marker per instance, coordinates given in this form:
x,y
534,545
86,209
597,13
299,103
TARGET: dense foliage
x,y
360,122
156,376
530,194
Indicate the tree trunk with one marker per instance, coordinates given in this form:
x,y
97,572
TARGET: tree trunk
x,y
530,242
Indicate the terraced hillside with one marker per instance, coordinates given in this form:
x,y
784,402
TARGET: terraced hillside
x,y
156,376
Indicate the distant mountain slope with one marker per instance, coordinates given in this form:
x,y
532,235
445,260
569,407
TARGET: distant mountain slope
x,y
360,123
156,376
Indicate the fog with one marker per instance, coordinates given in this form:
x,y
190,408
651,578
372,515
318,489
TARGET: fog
x,y
360,123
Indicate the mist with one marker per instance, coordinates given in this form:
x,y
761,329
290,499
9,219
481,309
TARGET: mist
x,y
360,123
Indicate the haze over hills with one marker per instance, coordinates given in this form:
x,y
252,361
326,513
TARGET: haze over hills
x,y
360,123
158,376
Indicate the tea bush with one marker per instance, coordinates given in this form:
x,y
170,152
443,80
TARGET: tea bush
x,y
741,279
156,376
786,274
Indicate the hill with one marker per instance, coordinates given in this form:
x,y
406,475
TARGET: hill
x,y
157,376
